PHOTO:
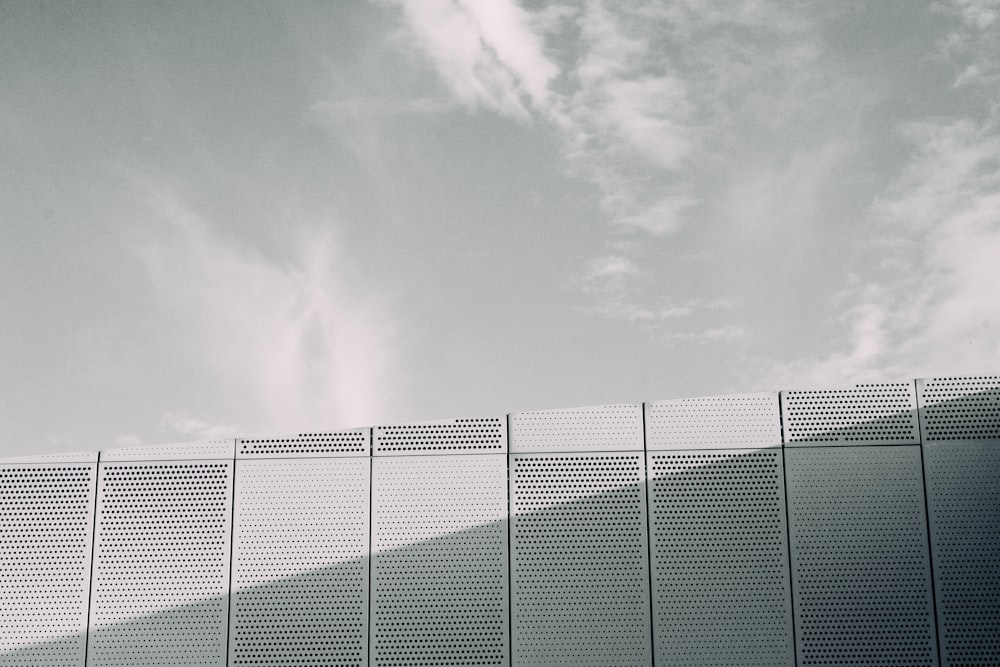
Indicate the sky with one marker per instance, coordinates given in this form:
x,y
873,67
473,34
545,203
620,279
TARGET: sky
x,y
230,219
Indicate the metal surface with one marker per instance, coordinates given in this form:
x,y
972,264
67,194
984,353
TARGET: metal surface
x,y
965,408
963,499
719,545
600,428
736,421
860,557
46,533
67,457
300,562
177,451
869,414
580,576
161,564
439,592
354,442
481,435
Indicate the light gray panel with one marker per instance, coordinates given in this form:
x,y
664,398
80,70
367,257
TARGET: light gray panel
x,y
480,435
721,590
736,421
963,496
176,451
161,564
439,592
963,408
300,562
860,556
46,533
580,575
868,414
61,457
353,442
602,428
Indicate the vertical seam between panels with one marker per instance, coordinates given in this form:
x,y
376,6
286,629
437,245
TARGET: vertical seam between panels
x,y
371,544
232,561
927,524
93,555
510,555
649,535
788,529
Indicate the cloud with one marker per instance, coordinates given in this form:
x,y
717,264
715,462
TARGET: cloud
x,y
300,342
196,429
934,309
487,53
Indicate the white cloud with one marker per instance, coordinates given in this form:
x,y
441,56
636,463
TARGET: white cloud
x,y
301,342
486,53
196,429
935,311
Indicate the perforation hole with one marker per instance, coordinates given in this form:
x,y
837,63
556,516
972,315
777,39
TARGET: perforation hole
x,y
741,420
600,428
963,494
580,565
300,566
344,443
460,435
868,414
161,564
860,557
720,558
960,408
439,584
46,528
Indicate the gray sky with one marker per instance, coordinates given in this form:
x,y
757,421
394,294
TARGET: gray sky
x,y
235,218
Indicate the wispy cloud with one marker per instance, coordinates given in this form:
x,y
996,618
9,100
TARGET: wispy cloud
x,y
300,341
933,309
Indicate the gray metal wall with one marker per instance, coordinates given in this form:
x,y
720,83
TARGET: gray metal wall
x,y
852,526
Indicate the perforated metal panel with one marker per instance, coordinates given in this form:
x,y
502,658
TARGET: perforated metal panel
x,y
599,428
580,576
714,422
61,457
963,497
46,533
177,451
300,563
860,558
965,408
439,591
869,414
484,435
719,544
355,442
161,564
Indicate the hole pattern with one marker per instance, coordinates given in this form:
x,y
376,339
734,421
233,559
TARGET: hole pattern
x,y
439,583
870,414
721,590
959,408
61,457
488,434
580,577
341,443
46,528
712,422
300,563
161,564
860,558
600,428
963,496
178,451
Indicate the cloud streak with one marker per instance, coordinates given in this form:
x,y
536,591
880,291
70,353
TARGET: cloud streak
x,y
299,342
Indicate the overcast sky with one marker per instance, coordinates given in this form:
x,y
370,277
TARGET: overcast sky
x,y
225,219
